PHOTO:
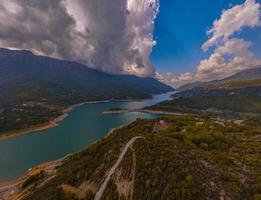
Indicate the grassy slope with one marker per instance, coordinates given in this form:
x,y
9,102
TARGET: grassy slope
x,y
186,157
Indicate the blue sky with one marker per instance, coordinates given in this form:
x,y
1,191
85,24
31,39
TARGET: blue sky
x,y
122,42
180,31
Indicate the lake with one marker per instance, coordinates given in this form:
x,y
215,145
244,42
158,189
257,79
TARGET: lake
x,y
84,125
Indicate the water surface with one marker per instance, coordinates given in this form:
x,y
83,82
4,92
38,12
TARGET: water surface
x,y
83,126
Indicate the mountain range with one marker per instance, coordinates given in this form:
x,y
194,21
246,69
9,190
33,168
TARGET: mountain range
x,y
22,72
36,89
240,93
245,75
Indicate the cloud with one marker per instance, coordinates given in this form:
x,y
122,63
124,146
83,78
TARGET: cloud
x,y
113,36
233,20
226,60
232,57
230,54
172,79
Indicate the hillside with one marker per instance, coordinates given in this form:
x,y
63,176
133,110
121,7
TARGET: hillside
x,y
177,157
190,86
23,72
249,74
231,98
245,75
36,89
240,93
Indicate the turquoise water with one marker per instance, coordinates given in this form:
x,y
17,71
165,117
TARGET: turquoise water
x,y
83,126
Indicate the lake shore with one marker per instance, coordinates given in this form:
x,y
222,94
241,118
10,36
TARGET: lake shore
x,y
51,124
12,189
159,112
119,111
55,122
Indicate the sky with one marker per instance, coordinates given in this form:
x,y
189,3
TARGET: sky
x,y
175,41
181,31
112,36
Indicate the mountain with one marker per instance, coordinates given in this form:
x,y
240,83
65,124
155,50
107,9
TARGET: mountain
x,y
249,74
36,89
189,86
240,93
21,71
236,97
245,75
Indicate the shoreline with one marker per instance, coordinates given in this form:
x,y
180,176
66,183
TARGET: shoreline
x,y
111,112
56,121
47,125
10,189
159,112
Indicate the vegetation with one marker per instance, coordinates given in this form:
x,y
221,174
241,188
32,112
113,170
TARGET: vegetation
x,y
33,179
180,157
235,84
18,117
244,78
219,104
50,85
230,97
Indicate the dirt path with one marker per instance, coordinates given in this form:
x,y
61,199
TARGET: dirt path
x,y
99,193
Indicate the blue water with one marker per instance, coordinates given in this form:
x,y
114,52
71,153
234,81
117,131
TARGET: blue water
x,y
82,127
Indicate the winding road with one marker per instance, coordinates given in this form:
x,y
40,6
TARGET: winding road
x,y
99,193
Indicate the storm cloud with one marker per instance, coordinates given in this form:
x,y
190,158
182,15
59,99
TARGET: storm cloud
x,y
112,36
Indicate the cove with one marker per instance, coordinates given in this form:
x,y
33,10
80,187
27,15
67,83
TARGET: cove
x,y
84,125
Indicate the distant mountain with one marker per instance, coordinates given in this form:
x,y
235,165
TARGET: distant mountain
x,y
189,86
240,93
249,74
23,72
245,75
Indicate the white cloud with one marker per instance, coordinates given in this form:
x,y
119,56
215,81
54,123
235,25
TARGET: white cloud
x,y
113,36
233,20
226,60
174,80
230,55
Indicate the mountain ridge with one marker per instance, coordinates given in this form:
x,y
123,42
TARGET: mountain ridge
x,y
17,66
248,74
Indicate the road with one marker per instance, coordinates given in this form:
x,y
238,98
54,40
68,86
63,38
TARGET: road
x,y
99,193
